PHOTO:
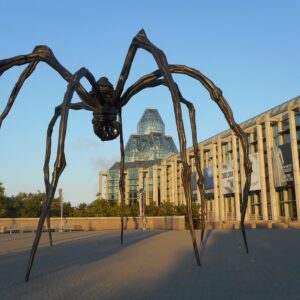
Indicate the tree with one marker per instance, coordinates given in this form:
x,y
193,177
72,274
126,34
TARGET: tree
x,y
3,207
100,208
68,209
151,210
3,202
31,204
167,209
81,210
12,206
55,209
2,190
180,210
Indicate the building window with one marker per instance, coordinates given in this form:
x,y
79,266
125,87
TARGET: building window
x,y
275,134
281,203
286,131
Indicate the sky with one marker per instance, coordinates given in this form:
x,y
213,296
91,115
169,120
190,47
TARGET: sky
x,y
249,49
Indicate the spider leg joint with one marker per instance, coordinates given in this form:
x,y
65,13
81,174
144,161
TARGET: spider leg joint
x,y
217,93
43,51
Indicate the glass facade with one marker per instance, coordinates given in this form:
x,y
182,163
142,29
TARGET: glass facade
x,y
150,122
150,142
143,150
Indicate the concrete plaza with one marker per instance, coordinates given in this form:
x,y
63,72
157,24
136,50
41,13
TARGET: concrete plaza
x,y
153,265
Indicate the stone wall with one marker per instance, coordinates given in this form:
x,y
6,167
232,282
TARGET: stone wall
x,y
103,223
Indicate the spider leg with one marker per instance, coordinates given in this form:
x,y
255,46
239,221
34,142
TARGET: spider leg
x,y
40,53
25,74
44,54
141,41
49,228
60,162
57,114
152,82
73,106
200,181
216,96
121,180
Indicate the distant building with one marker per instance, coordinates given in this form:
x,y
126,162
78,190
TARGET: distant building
x,y
274,150
144,151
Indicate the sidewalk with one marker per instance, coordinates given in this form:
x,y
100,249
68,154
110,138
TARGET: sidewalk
x,y
152,265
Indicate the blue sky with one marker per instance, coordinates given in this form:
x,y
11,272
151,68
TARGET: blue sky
x,y
250,49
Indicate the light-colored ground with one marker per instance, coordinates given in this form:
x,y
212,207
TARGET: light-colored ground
x,y
153,265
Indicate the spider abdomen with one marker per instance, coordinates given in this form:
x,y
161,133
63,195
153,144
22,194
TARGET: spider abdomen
x,y
106,126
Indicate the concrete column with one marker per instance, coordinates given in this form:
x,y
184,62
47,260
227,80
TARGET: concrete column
x,y
260,149
198,192
242,173
194,169
181,192
236,178
155,184
127,188
162,185
285,204
216,190
163,179
270,144
221,196
103,195
106,187
147,194
226,200
119,196
174,179
201,154
100,186
249,207
293,135
141,179
169,182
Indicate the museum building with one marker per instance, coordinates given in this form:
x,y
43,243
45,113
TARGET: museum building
x,y
144,153
152,164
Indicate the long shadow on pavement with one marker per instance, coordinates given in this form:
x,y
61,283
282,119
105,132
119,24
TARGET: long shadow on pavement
x,y
162,266
65,254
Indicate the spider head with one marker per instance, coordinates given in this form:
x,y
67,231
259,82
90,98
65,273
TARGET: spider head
x,y
106,89
105,123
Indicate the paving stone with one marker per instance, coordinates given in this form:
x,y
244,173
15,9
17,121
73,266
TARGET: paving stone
x,y
153,265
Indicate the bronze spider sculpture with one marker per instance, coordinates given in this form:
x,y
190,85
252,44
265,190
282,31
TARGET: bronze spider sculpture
x,y
106,103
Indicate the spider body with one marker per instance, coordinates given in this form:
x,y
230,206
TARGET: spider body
x,y
106,103
105,123
106,126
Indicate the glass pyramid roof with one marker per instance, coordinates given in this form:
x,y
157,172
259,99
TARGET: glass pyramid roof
x,y
150,143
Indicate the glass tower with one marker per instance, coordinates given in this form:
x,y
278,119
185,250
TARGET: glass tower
x,y
145,149
150,142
